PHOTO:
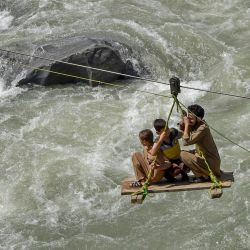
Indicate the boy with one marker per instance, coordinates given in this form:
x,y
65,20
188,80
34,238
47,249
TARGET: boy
x,y
197,132
169,145
143,163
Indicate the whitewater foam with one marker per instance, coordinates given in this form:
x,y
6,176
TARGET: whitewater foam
x,y
65,150
8,92
5,20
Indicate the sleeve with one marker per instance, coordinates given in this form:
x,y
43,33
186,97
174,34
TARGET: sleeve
x,y
195,136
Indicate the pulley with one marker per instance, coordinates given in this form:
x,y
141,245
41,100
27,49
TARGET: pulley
x,y
175,86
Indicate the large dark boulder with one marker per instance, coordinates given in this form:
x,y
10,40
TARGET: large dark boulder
x,y
83,51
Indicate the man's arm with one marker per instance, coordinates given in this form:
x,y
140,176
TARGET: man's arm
x,y
186,132
157,145
190,139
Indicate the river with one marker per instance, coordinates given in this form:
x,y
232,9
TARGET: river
x,y
64,150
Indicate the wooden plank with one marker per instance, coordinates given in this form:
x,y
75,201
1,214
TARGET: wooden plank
x,y
137,199
216,193
226,178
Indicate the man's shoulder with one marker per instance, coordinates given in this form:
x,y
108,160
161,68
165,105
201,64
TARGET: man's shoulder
x,y
203,128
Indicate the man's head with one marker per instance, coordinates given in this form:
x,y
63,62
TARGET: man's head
x,y
159,125
146,137
194,112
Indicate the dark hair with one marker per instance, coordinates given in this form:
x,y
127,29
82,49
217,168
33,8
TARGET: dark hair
x,y
146,135
159,124
197,110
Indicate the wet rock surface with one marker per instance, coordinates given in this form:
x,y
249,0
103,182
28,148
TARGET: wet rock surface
x,y
84,51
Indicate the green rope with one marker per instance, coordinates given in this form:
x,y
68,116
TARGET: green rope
x,y
144,190
216,184
170,112
178,104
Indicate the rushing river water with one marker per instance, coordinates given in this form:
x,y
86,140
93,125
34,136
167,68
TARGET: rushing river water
x,y
65,150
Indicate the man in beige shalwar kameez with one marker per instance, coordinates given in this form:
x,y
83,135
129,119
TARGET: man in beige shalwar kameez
x,y
195,131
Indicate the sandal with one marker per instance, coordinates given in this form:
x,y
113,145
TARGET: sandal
x,y
136,184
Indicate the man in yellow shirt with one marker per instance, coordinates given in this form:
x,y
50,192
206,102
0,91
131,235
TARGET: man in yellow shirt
x,y
168,144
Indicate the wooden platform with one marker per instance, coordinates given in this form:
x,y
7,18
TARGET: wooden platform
x,y
226,178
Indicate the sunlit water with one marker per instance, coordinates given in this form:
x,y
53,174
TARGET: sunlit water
x,y
66,149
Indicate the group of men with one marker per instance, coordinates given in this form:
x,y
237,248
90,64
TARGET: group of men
x,y
164,157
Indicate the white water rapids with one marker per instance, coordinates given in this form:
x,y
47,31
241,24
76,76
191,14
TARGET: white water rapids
x,y
64,150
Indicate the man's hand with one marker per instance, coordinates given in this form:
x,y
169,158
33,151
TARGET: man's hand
x,y
164,135
181,125
186,121
186,132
